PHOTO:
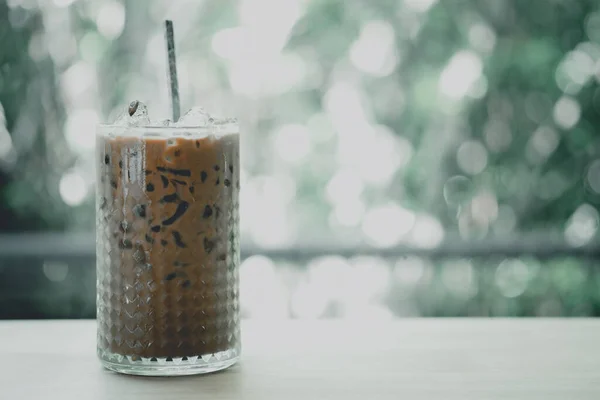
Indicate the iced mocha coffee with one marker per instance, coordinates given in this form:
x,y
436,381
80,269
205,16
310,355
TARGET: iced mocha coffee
x,y
168,245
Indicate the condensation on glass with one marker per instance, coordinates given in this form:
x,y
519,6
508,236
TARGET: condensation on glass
x,y
168,248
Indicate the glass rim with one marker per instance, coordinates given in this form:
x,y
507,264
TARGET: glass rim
x,y
230,127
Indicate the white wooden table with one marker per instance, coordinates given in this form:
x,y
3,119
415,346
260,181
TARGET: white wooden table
x,y
406,359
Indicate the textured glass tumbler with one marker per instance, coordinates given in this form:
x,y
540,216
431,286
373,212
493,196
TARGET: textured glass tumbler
x,y
167,245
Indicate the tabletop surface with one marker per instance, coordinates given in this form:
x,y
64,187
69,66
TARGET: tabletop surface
x,y
403,359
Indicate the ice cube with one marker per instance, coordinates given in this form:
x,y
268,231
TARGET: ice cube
x,y
195,117
139,113
136,114
161,123
224,121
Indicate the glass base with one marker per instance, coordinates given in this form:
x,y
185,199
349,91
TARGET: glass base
x,y
176,366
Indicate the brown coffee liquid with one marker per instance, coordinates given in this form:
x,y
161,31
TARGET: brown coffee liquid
x,y
168,245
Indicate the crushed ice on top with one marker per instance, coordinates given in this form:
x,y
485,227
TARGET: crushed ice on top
x,y
136,115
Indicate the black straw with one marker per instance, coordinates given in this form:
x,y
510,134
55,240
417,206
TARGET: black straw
x,y
173,83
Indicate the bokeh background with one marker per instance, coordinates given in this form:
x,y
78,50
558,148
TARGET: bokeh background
x,y
400,157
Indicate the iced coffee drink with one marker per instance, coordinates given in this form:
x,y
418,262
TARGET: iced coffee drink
x,y
168,244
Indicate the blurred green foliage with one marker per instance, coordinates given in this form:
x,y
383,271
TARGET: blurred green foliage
x,y
470,119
